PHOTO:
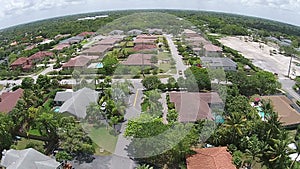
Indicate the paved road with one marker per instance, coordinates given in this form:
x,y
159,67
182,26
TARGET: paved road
x,y
120,160
178,58
287,85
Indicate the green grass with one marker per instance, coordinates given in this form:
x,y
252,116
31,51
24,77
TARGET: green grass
x,y
26,143
163,56
1,86
103,139
34,132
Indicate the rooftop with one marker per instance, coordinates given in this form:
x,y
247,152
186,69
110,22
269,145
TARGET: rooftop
x,y
138,59
8,100
217,62
194,106
212,48
78,102
40,55
78,61
286,113
20,61
28,158
210,158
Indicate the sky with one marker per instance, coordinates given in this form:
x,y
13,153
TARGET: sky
x,y
14,12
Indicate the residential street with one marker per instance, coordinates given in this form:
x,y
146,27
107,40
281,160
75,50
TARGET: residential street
x,y
178,58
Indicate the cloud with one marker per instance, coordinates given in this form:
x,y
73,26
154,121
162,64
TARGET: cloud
x,y
291,5
17,7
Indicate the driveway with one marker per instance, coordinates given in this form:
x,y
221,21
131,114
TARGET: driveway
x,y
120,159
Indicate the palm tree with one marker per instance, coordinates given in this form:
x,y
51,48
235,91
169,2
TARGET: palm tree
x,y
297,144
235,124
278,151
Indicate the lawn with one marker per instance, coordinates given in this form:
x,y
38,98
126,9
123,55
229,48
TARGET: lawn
x,y
29,143
164,56
103,139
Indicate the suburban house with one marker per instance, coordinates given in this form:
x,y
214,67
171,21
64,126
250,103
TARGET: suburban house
x,y
22,63
134,32
210,158
98,50
79,62
187,33
211,50
85,34
145,42
116,32
62,97
72,40
8,100
287,115
193,106
139,59
219,63
155,31
40,56
75,103
111,41
61,46
27,159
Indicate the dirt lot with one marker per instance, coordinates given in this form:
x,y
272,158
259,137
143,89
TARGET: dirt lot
x,y
259,53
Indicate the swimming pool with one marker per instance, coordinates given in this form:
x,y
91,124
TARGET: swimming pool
x,y
56,109
99,65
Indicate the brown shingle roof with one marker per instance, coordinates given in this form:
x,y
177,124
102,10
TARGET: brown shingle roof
x,y
282,105
8,100
194,106
138,59
210,158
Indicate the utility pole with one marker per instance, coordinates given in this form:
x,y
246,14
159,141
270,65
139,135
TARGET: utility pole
x,y
289,71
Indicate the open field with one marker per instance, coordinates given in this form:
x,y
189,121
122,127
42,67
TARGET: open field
x,y
260,56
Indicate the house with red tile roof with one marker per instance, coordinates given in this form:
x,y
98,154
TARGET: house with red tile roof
x,y
194,106
85,34
78,62
211,50
8,100
210,158
62,46
98,50
21,63
145,42
139,59
39,56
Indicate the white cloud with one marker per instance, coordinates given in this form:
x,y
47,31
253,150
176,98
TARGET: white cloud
x,y
16,7
291,5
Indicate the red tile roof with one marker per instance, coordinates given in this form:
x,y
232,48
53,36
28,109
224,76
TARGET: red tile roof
x,y
138,60
109,41
143,36
144,41
40,55
61,46
138,47
20,61
8,100
210,158
212,48
194,106
86,34
79,61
